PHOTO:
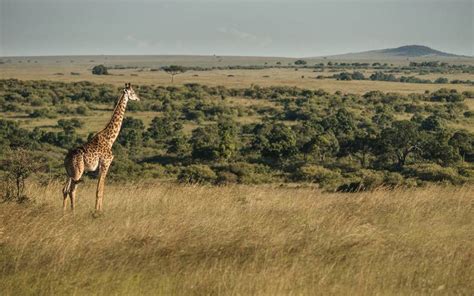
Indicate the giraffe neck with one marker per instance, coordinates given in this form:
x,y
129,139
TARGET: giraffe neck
x,y
112,129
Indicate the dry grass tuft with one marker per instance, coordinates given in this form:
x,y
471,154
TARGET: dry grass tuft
x,y
239,240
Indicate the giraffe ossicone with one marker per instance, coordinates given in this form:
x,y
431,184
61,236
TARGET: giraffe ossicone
x,y
96,153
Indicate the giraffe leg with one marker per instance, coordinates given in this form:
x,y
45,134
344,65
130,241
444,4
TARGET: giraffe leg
x,y
103,169
66,192
72,194
74,164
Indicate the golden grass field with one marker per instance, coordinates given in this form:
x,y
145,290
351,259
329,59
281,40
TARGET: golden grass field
x,y
48,68
165,239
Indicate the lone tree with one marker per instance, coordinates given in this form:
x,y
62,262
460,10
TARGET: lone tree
x,y
300,62
19,166
100,70
174,70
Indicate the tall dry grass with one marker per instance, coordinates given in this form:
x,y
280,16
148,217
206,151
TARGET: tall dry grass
x,y
239,240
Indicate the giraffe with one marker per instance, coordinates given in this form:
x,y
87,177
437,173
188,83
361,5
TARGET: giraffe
x,y
96,153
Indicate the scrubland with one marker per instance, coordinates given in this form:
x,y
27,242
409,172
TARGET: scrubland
x,y
165,239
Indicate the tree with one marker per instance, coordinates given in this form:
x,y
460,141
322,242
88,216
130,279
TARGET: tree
x,y
321,146
383,120
228,136
275,141
363,144
131,135
382,76
19,165
300,62
343,76
205,143
215,142
463,142
162,129
432,123
179,145
69,125
436,148
100,70
357,76
400,141
174,70
342,124
446,95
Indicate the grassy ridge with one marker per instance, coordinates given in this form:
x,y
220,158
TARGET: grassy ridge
x,y
192,240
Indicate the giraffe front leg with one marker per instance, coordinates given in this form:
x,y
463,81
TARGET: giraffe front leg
x,y
103,169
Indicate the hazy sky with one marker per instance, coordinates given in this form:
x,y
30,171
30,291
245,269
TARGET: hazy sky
x,y
270,28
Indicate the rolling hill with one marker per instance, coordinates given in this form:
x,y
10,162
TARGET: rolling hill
x,y
399,53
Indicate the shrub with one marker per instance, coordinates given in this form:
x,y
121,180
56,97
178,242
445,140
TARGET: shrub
x,y
197,173
349,76
43,113
100,70
441,80
362,180
225,177
357,76
434,173
370,179
318,174
445,95
300,62
393,179
248,173
19,165
343,76
382,76
469,114
81,110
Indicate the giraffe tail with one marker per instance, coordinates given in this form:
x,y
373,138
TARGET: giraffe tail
x,y
67,187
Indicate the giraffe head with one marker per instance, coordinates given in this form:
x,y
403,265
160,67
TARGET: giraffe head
x,y
129,93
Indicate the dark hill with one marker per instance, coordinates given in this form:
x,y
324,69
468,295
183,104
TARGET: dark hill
x,y
402,52
414,51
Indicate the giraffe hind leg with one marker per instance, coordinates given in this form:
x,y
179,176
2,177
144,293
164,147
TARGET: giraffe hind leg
x,y
75,168
72,193
66,190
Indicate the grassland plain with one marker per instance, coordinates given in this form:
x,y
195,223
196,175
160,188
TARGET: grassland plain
x,y
61,69
164,239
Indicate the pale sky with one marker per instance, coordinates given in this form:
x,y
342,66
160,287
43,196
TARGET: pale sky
x,y
226,27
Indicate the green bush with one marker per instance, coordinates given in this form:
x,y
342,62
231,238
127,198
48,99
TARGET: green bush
x,y
82,110
43,113
249,173
434,173
469,114
362,180
100,70
371,179
197,173
318,174
392,179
